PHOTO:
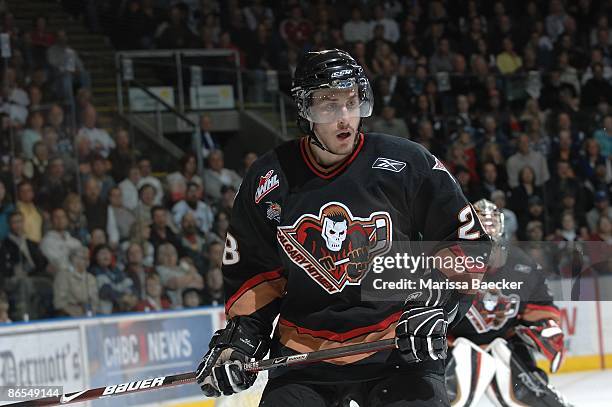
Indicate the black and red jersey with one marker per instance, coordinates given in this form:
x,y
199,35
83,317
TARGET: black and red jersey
x,y
302,238
495,312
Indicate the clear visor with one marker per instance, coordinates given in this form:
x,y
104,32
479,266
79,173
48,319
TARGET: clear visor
x,y
345,99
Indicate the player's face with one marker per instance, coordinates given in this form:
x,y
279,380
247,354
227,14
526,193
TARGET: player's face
x,y
341,108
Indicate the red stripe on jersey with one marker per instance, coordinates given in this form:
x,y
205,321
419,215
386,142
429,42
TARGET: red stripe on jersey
x,y
335,170
549,308
251,283
344,336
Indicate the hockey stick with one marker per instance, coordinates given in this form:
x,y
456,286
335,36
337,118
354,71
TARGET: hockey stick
x,y
185,378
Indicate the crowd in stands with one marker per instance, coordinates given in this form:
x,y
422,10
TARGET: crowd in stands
x,y
513,96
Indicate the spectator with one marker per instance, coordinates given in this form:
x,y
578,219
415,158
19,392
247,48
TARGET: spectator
x,y
536,211
213,293
555,20
527,157
57,242
99,139
602,209
153,300
77,222
54,185
116,291
175,33
191,298
568,231
135,268
55,121
140,233
14,177
604,137
208,141
569,74
175,277
201,211
75,291
99,173
356,29
442,58
603,232
120,219
32,215
216,175
32,134
98,237
67,66
563,149
94,206
508,61
23,271
567,204
177,181
597,88
6,208
564,181
37,166
491,133
15,100
538,139
389,124
526,188
129,188
591,158
192,241
160,229
256,14
146,177
220,227
146,195
295,30
490,180
391,28
122,157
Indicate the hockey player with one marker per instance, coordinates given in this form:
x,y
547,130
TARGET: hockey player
x,y
309,218
492,347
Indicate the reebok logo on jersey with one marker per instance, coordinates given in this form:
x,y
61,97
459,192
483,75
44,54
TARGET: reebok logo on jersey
x,y
266,184
388,164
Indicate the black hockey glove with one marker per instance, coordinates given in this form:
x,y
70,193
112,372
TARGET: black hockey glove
x,y
420,333
220,371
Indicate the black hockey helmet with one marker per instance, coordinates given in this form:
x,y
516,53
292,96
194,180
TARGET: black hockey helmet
x,y
332,69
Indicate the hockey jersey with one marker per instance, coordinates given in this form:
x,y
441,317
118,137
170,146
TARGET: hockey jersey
x,y
302,238
497,310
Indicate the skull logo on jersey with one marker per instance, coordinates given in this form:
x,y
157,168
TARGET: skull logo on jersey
x,y
334,233
491,309
334,247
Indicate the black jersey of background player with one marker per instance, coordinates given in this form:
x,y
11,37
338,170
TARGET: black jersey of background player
x,y
302,238
494,312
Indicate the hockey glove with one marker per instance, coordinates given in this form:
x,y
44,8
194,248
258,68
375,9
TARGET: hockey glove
x,y
420,334
220,371
546,337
